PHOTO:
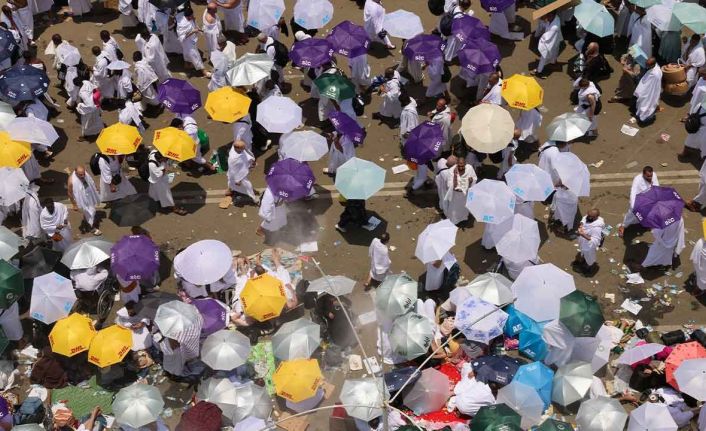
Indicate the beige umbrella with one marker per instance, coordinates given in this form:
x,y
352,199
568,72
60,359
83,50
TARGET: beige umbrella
x,y
487,128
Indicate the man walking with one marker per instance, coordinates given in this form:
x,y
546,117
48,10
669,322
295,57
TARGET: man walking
x,y
84,197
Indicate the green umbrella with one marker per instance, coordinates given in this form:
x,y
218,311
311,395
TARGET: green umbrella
x,y
359,179
496,417
335,87
11,284
581,314
595,18
555,425
691,15
645,3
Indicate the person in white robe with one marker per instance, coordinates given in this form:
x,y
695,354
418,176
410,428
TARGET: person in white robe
x,y
233,18
89,279
211,26
640,183
699,200
590,234
435,70
91,121
101,74
380,262
218,74
508,154
648,92
442,115
124,88
442,171
153,52
128,317
54,220
228,49
547,156
273,212
160,188
471,394
453,44
409,118
188,34
128,15
641,32
549,33
22,14
696,142
693,57
493,90
390,92
373,20
565,205
360,71
84,197
342,149
31,211
588,96
146,80
242,131
621,23
80,7
240,162
111,168
668,243
131,114
110,45
698,259
529,123
461,178
268,47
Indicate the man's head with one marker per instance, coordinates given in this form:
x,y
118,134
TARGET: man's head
x,y
549,17
651,62
517,133
592,215
437,263
188,13
460,161
212,8
105,35
56,39
584,82
262,37
592,48
143,30
694,39
239,146
493,78
648,173
158,157
177,123
136,56
130,307
465,4
404,99
389,73
441,103
385,238
48,203
80,171
96,51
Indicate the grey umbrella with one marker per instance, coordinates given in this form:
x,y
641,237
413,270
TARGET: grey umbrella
x,y
429,393
492,287
225,350
411,335
251,400
221,392
396,295
601,414
571,382
9,243
297,339
363,398
87,253
341,285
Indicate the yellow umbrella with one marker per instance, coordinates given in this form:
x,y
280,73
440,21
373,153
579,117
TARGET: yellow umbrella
x,y
263,297
174,144
297,380
110,345
522,92
119,139
227,105
72,335
13,153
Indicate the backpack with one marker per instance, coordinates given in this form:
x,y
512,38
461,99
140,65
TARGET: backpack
x,y
281,53
93,163
447,22
692,124
32,411
436,7
144,170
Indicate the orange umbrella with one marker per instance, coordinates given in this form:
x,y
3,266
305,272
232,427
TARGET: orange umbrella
x,y
682,352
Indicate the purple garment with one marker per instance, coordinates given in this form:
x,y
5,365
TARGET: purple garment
x,y
311,52
479,56
347,126
496,5
469,27
424,142
424,47
349,39
134,257
658,207
179,96
290,179
214,313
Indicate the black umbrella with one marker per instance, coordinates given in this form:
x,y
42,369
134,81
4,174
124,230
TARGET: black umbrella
x,y
37,261
499,369
133,210
23,82
7,44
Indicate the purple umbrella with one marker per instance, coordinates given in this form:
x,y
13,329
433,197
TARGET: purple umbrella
x,y
179,96
424,142
215,315
496,5
479,56
347,126
469,27
658,207
424,47
4,410
290,179
349,39
134,257
311,52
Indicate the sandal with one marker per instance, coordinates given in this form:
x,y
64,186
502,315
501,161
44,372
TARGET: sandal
x,y
180,211
225,202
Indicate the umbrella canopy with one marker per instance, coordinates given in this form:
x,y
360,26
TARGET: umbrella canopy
x,y
118,139
221,392
479,55
263,14
520,240
204,262
554,425
363,398
581,314
227,105
539,289
304,146
595,350
424,47
109,346
9,242
496,5
13,188
251,400
336,87
290,180
133,210
479,320
638,353
313,14
495,417
681,353
492,287
13,154
662,17
359,179
134,257
411,335
500,369
531,343
394,379
529,182
249,69
7,44
53,298
524,400
72,335
522,92
177,320
23,82
658,207
311,52
595,18
652,417
12,285
560,343
37,260
225,350
297,380
347,126
516,321
297,339
402,24
349,39
601,414
263,298
435,241
279,114
137,405
491,201
429,393
571,382
539,377
645,3
423,142
86,253
7,114
396,295
336,285
32,130
214,313
691,15
179,96
203,416
174,144
691,378
487,128
573,173
466,27
567,127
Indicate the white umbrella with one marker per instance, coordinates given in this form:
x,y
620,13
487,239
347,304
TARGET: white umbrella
x,y
396,295
662,16
118,65
573,173
279,114
178,320
13,185
363,398
601,414
691,378
225,350
221,392
251,400
296,339
560,343
53,298
402,24
9,243
250,423
335,284
487,128
249,69
529,182
595,350
203,262
263,14
521,242
479,320
7,114
32,130
312,14
524,400
86,253
411,335
539,288
68,55
491,201
568,126
429,393
492,287
137,405
303,145
435,241
571,383
652,416
638,353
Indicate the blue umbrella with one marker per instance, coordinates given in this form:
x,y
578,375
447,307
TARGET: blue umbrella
x,y
396,378
516,321
23,82
532,344
594,18
538,376
499,369
359,179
